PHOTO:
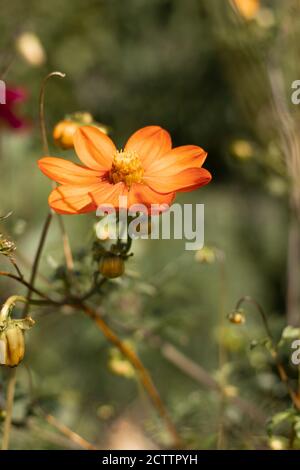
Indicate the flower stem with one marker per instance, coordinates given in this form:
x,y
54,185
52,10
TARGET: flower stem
x,y
49,216
9,408
9,304
42,109
144,375
260,310
66,243
66,431
221,437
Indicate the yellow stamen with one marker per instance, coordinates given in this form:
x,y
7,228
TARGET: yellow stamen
x,y
127,167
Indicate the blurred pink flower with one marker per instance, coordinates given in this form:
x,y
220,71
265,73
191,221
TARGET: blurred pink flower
x,y
9,114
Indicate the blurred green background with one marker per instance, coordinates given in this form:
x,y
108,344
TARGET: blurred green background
x,y
203,70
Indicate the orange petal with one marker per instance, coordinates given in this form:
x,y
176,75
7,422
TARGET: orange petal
x,y
68,199
142,194
150,143
108,194
94,148
65,172
177,160
186,180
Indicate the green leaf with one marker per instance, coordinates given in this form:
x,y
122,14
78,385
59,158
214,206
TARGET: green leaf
x,y
279,418
253,344
297,426
290,332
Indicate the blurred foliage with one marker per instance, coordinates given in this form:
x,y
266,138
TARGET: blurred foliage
x,y
197,68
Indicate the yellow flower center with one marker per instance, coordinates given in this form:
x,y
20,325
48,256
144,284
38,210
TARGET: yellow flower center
x,y
126,167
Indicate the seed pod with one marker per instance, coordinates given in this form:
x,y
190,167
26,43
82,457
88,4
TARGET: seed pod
x,y
111,266
7,247
12,346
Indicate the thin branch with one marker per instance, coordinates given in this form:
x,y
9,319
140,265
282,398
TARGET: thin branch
x,y
144,375
37,260
66,244
30,287
260,310
66,431
197,373
94,289
15,265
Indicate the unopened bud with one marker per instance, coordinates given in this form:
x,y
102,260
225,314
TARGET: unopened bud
x,y
12,346
111,266
121,367
278,443
237,317
205,255
12,343
63,133
30,47
242,149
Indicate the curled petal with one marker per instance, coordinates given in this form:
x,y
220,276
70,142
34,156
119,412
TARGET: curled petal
x,y
186,180
150,143
65,172
94,148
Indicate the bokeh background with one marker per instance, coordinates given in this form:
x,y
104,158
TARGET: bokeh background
x,y
217,74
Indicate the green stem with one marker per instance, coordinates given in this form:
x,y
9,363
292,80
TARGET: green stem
x,y
260,310
42,109
37,260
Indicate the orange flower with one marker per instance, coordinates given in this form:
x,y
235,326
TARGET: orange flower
x,y
148,171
